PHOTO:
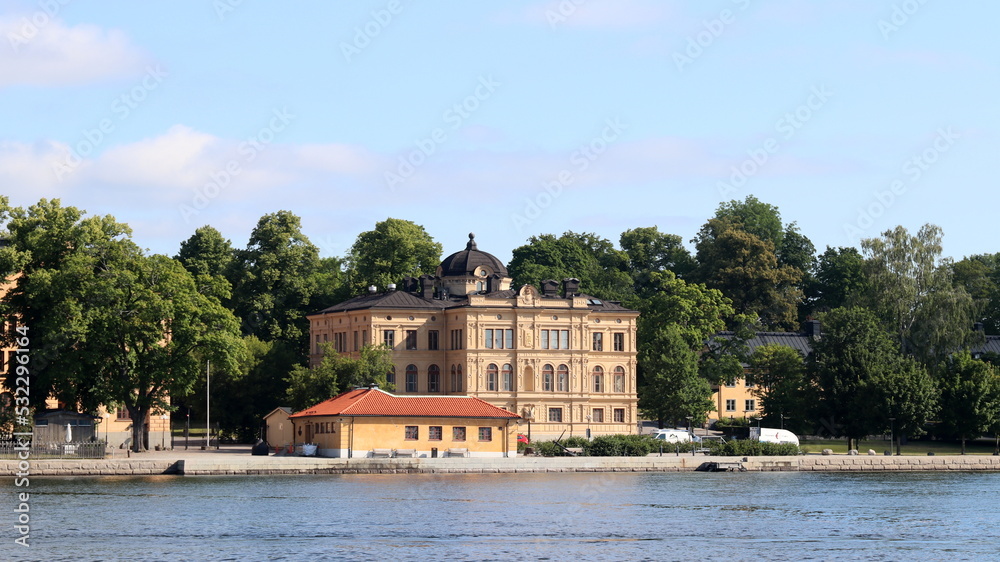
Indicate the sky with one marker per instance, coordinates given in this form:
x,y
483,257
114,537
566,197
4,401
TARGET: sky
x,y
507,119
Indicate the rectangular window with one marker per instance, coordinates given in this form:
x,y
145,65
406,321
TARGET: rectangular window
x,y
598,383
411,339
731,384
545,339
751,405
434,433
619,382
555,414
411,433
563,339
3,361
122,414
597,415
433,381
486,434
730,405
458,434
488,339
432,339
411,382
389,338
619,338
317,344
355,340
749,384
598,341
547,382
456,339
508,339
619,414
364,338
562,382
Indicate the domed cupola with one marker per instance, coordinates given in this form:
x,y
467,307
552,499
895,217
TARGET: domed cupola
x,y
471,262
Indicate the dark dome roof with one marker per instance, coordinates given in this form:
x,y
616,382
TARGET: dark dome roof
x,y
469,260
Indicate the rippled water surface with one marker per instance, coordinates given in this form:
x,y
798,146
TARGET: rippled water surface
x,y
555,516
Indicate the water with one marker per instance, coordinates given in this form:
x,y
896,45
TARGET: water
x,y
555,516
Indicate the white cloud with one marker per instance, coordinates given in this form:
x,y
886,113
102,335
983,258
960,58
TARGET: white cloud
x,y
53,54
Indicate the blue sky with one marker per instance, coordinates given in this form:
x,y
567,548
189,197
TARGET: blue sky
x,y
507,119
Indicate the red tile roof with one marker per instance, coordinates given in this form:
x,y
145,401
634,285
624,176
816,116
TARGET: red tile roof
x,y
375,402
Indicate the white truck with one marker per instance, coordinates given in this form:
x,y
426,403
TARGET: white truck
x,y
772,435
674,435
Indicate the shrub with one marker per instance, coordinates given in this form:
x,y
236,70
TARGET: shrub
x,y
621,446
548,449
752,448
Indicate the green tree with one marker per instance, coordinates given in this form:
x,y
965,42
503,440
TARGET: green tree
x,y
650,251
839,281
338,373
208,256
601,269
979,275
758,218
970,396
779,375
676,321
114,326
395,249
796,250
911,290
746,270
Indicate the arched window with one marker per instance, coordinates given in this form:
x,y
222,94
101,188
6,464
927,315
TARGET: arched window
x,y
547,375
598,376
562,379
458,387
491,377
433,379
390,377
411,378
619,379
508,377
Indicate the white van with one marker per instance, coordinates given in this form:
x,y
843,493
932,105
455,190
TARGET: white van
x,y
673,435
772,435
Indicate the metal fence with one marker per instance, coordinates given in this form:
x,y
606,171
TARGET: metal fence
x,y
82,450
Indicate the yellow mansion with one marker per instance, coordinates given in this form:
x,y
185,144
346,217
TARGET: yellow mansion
x,y
562,360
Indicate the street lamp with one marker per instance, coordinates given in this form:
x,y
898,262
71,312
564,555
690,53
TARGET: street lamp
x,y
891,434
690,433
162,432
783,418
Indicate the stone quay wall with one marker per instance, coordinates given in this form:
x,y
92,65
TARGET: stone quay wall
x,y
230,464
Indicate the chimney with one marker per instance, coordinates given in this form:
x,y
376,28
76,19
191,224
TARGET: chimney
x,y
812,328
979,327
372,289
391,286
410,284
493,283
571,287
550,288
427,286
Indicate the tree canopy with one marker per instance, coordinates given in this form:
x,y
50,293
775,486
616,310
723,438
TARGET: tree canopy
x,y
394,249
601,269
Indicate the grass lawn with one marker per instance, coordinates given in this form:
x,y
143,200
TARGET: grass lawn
x,y
978,447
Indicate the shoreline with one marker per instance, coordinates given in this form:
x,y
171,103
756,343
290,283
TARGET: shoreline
x,y
239,462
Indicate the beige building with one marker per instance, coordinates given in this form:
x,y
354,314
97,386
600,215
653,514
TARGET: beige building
x,y
368,422
563,360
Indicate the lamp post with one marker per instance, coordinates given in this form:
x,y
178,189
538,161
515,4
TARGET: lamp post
x,y
891,434
691,439
783,418
163,431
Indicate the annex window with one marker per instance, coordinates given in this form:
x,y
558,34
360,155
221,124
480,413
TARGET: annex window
x,y
434,433
730,405
411,339
432,340
598,341
486,434
619,341
411,378
389,338
508,377
491,377
458,434
547,378
619,379
597,415
562,379
598,376
555,414
619,415
411,433
433,379
751,405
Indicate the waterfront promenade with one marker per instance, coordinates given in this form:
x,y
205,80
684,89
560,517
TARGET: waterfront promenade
x,y
237,460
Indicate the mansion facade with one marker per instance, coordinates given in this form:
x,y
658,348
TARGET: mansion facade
x,y
562,360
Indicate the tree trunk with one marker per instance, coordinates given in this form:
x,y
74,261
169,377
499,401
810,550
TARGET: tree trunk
x,y
138,428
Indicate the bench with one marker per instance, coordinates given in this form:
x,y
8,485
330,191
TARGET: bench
x,y
456,452
381,453
406,452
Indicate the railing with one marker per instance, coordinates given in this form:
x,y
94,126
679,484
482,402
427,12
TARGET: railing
x,y
73,450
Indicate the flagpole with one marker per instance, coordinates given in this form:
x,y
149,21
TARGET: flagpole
x,y
208,404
